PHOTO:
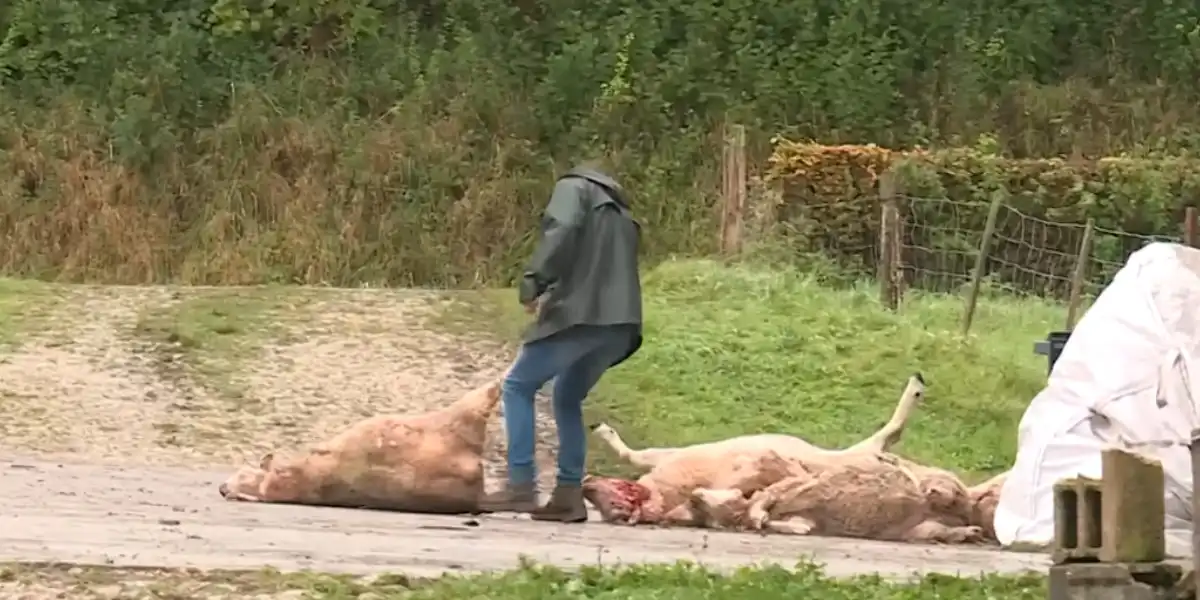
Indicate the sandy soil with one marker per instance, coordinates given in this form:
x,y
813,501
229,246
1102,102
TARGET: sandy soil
x,y
85,383
113,447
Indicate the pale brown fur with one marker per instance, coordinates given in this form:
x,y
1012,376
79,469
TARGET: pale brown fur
x,y
674,473
419,463
878,497
789,447
984,498
781,483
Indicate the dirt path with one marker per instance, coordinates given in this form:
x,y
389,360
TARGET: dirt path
x,y
113,445
78,386
89,383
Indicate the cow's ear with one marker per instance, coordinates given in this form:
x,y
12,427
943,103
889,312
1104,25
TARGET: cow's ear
x,y
265,462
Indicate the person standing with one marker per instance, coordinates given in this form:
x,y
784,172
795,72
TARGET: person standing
x,y
583,285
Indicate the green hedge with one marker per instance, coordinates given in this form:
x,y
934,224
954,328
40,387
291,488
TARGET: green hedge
x,y
831,201
349,141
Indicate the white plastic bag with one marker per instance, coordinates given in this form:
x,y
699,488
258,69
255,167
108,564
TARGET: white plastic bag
x,y
1123,379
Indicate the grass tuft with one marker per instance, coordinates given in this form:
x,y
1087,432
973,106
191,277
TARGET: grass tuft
x,y
22,303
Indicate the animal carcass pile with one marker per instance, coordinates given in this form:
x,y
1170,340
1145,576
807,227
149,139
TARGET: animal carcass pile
x,y
783,484
431,463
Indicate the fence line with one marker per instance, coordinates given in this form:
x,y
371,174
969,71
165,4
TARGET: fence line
x,y
1029,255
938,241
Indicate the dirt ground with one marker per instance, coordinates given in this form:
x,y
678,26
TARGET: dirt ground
x,y
113,444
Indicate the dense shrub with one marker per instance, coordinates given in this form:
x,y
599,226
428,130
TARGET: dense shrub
x,y
412,141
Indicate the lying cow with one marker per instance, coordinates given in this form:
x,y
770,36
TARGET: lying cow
x,y
430,463
773,482
881,497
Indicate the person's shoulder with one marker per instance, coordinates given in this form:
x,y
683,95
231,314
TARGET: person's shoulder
x,y
593,176
586,191
573,182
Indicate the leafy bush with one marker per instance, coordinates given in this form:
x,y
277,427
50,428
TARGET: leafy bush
x,y
411,141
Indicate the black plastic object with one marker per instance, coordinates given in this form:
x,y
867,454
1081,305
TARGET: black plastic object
x,y
1057,340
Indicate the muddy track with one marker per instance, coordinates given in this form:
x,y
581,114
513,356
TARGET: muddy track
x,y
112,448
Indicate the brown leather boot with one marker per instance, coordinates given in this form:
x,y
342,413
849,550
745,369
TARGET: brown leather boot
x,y
565,506
515,497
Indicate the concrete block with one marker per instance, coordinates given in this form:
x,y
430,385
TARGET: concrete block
x,y
1077,520
1132,510
1118,518
1116,581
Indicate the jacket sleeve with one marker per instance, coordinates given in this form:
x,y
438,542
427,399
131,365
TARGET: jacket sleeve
x,y
556,248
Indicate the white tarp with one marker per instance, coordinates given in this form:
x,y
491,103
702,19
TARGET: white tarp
x,y
1122,380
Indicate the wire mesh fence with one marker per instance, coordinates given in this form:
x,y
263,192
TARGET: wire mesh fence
x,y
940,242
1028,255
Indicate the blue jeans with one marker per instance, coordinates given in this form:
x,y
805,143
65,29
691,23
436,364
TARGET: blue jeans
x,y
575,358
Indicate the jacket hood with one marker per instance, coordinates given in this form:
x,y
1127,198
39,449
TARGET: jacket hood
x,y
608,183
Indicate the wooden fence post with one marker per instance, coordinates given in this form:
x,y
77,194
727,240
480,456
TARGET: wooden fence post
x,y
1189,227
985,248
889,269
1079,275
733,189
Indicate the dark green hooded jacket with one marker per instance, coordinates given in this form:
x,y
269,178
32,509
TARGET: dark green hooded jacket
x,y
586,263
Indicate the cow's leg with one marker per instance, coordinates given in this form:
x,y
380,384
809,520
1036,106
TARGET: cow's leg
x,y
646,458
683,514
794,525
937,533
719,509
781,495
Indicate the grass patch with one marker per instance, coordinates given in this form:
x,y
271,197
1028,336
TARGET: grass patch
x,y
22,304
685,581
172,584
682,581
213,331
732,350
